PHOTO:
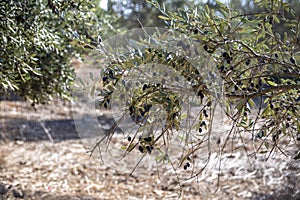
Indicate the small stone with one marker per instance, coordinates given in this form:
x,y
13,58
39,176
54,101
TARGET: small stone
x,y
3,189
18,193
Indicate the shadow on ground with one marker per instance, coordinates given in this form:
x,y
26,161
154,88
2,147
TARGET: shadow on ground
x,y
54,130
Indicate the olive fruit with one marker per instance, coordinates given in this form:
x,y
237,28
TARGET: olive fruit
x,y
187,165
141,149
145,86
148,149
236,87
196,31
208,104
292,60
247,62
298,136
104,78
222,68
147,139
200,94
202,123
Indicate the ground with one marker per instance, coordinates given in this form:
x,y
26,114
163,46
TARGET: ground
x,y
42,157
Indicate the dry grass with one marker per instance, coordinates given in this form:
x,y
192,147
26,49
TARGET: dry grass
x,y
63,170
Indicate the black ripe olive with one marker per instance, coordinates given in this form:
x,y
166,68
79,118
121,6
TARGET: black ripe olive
x,y
287,125
129,138
271,106
141,149
247,61
200,94
275,137
147,139
200,130
197,72
202,123
236,87
276,55
196,31
231,67
298,136
205,47
292,60
148,149
105,78
188,164
222,68
106,103
111,73
225,54
208,104
131,109
271,20
145,86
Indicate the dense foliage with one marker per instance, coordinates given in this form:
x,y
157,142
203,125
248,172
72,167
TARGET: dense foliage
x,y
38,38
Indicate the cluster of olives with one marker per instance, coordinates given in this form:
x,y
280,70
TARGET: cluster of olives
x,y
144,149
146,145
186,166
139,115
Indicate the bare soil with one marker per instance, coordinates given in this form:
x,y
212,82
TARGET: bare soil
x,y
43,157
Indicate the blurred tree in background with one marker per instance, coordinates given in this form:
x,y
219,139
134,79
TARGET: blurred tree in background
x,y
133,11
